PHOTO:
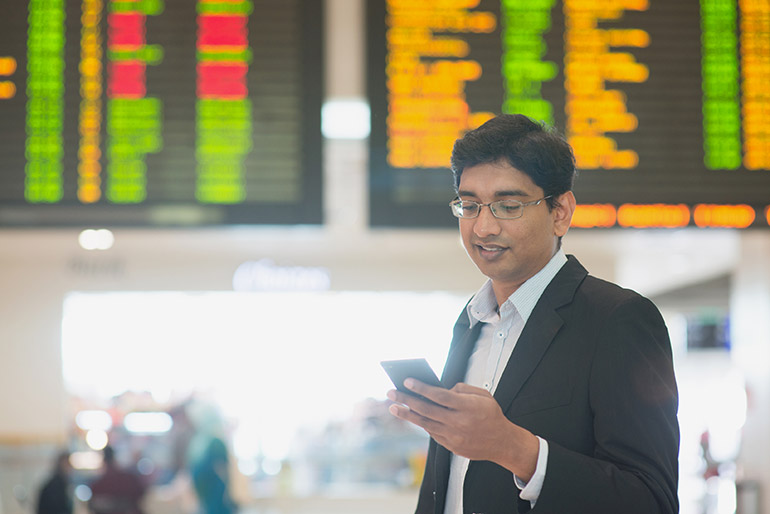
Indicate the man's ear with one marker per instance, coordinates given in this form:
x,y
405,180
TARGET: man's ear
x,y
562,213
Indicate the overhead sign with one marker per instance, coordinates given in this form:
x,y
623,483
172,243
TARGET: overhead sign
x,y
153,113
665,104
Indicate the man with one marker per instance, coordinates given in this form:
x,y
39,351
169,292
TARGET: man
x,y
562,394
116,491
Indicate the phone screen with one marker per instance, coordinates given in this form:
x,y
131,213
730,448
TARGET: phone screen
x,y
400,370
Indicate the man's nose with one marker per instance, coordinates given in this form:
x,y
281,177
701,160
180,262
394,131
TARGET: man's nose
x,y
486,223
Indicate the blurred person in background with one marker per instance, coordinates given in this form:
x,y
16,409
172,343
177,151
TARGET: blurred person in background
x,y
55,497
211,479
562,392
209,461
117,490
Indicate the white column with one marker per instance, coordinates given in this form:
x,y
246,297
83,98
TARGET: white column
x,y
750,334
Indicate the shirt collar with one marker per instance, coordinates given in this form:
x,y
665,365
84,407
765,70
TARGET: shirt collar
x,y
483,305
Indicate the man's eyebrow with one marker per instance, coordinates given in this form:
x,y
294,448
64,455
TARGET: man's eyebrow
x,y
498,194
514,192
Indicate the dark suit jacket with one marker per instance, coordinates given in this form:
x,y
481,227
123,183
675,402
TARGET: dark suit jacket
x,y
592,374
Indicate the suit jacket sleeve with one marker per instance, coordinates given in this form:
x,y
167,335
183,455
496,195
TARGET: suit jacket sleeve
x,y
633,401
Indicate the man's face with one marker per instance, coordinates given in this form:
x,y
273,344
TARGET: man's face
x,y
508,251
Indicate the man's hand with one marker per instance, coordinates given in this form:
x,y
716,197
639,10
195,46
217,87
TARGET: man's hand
x,y
468,421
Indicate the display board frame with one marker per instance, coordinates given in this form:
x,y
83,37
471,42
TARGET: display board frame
x,y
689,161
279,68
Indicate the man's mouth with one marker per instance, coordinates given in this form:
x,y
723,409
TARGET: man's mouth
x,y
490,250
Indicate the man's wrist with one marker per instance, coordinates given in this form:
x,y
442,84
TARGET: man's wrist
x,y
530,490
520,454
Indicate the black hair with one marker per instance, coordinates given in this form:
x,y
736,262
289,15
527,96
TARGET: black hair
x,y
109,454
530,147
62,461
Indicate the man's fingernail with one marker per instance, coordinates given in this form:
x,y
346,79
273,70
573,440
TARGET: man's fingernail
x,y
409,383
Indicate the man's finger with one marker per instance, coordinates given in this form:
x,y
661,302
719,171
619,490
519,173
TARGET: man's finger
x,y
423,407
439,395
407,414
464,388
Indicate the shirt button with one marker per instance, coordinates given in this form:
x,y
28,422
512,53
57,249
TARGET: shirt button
x,y
487,386
500,334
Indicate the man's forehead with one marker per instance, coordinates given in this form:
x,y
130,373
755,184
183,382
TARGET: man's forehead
x,y
497,193
496,179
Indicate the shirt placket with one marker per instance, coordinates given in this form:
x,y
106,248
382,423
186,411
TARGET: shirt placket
x,y
501,328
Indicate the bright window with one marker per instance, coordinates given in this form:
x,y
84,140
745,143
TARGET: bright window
x,y
273,363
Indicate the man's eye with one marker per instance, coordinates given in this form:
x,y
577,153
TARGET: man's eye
x,y
508,208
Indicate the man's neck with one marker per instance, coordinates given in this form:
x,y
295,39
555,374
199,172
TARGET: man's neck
x,y
504,291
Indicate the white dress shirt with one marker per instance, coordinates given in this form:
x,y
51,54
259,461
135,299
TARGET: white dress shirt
x,y
499,334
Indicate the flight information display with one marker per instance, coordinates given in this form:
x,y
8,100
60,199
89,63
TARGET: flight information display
x,y
160,112
666,104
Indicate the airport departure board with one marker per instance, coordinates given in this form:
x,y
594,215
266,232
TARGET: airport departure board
x,y
160,112
665,103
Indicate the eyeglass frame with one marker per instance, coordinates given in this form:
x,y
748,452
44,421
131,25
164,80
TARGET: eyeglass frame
x,y
521,204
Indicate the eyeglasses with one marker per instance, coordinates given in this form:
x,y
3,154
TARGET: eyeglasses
x,y
501,209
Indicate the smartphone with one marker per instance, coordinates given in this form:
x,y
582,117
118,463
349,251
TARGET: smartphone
x,y
400,370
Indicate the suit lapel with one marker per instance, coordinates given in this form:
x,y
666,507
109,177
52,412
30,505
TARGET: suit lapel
x,y
541,328
463,341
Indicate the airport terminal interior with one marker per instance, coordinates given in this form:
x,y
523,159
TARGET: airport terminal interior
x,y
158,331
